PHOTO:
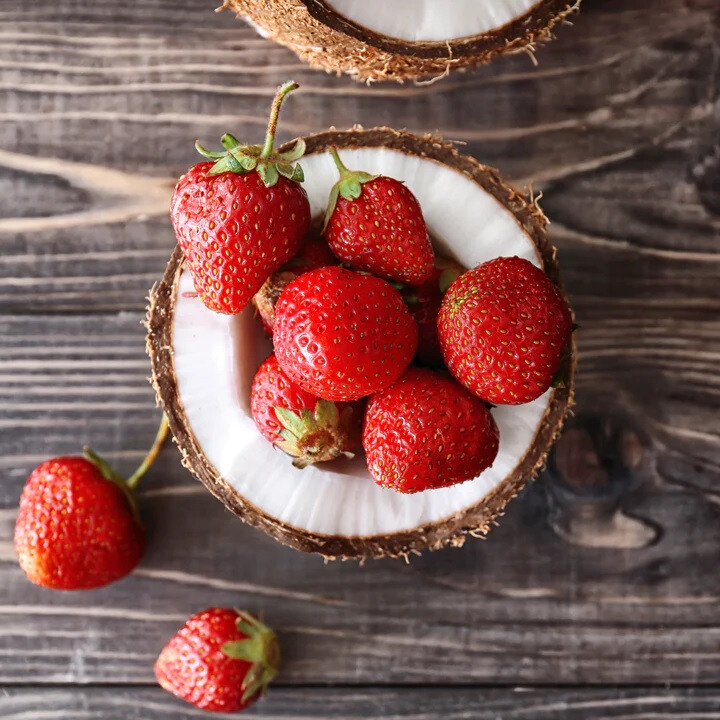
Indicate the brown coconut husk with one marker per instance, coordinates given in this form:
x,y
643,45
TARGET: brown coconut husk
x,y
326,40
450,531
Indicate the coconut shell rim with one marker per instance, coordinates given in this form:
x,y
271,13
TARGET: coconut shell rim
x,y
475,520
327,40
532,21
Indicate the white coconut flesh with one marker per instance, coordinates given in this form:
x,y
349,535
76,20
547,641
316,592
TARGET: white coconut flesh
x,y
430,20
216,357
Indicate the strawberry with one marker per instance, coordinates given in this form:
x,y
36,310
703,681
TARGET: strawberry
x,y
503,329
314,253
423,301
342,335
426,432
219,660
303,425
374,223
239,218
78,525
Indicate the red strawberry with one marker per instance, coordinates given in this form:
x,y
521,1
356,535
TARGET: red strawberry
x,y
219,660
341,335
313,254
423,302
503,328
303,425
374,223
426,432
78,525
239,219
76,528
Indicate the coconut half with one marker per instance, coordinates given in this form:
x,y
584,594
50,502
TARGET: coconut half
x,y
401,39
204,364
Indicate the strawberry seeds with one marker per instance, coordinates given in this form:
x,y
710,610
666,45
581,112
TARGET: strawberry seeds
x,y
352,310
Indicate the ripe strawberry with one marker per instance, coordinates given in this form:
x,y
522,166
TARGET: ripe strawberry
x,y
313,254
374,223
78,525
426,432
239,219
423,301
299,423
503,328
341,335
219,660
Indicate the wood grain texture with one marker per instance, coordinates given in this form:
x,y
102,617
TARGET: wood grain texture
x,y
526,605
360,704
603,572
615,134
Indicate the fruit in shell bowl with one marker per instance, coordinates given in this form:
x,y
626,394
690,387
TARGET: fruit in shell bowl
x,y
360,341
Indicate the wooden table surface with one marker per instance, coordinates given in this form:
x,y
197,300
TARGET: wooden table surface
x,y
598,596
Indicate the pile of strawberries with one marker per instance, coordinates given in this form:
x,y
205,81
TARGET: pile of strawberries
x,y
365,320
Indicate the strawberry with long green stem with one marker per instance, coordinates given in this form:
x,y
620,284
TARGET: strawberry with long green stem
x,y
241,215
78,526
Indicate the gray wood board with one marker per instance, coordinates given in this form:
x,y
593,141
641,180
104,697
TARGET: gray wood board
x,y
380,704
100,105
603,572
526,605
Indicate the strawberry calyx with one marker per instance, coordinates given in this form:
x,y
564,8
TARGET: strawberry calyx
x,y
315,436
128,486
349,186
269,164
260,648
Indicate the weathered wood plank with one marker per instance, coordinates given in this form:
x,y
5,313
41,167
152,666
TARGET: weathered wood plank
x,y
524,606
621,138
393,704
527,605
67,380
618,137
